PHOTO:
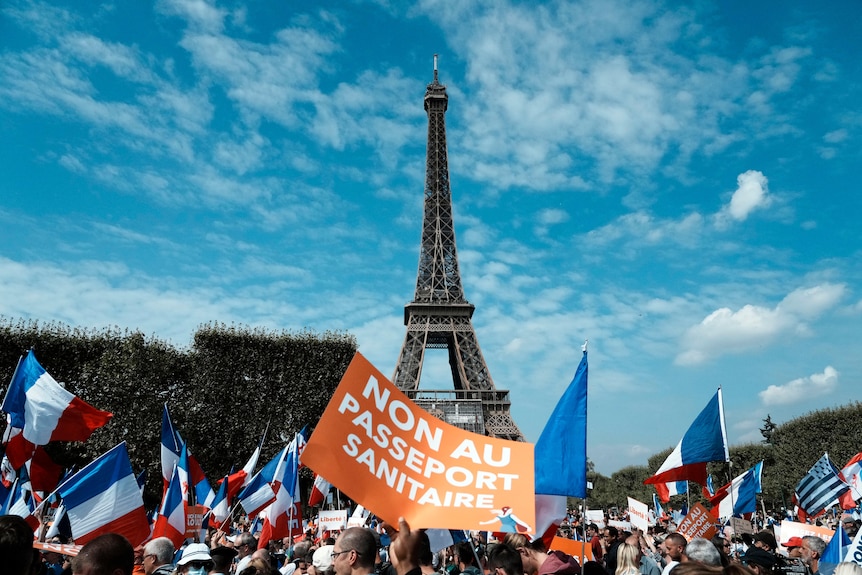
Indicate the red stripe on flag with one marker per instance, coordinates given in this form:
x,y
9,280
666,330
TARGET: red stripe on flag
x,y
78,421
133,526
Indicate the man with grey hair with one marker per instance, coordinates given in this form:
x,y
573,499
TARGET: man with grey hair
x,y
245,545
812,549
703,551
158,556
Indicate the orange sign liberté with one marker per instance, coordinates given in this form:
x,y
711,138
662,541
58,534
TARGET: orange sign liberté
x,y
394,458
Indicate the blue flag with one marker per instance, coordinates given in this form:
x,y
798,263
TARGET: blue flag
x,y
835,551
561,452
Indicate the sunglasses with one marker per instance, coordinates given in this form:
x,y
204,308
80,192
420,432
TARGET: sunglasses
x,y
200,564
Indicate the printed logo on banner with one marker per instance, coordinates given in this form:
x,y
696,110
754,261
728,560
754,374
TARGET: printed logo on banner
x,y
394,458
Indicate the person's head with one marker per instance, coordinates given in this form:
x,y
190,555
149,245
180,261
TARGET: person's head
x,y
426,556
16,544
847,568
300,550
793,546
760,561
695,568
850,525
811,550
464,554
592,530
610,534
245,544
674,546
505,560
703,551
533,553
628,558
634,541
222,557
108,554
765,540
257,566
195,560
355,550
593,568
160,551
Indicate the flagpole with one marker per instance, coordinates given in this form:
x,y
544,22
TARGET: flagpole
x,y
726,450
584,531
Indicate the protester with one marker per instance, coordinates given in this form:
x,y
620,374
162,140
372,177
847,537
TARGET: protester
x,y
627,560
195,560
674,548
595,541
537,560
245,544
765,540
16,544
760,561
847,568
702,551
646,564
794,547
222,558
851,525
466,558
610,543
158,555
812,550
108,553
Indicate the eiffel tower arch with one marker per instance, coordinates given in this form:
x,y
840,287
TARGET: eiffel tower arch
x,y
439,317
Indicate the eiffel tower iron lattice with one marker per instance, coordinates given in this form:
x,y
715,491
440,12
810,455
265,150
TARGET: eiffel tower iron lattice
x,y
439,317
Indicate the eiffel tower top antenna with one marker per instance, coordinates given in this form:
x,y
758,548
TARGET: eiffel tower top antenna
x,y
435,69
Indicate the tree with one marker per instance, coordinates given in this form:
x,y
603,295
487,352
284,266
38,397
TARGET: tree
x,y
221,392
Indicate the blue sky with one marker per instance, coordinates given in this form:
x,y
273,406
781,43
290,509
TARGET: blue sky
x,y
676,182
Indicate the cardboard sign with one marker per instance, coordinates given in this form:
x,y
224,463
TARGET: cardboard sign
x,y
195,521
333,520
738,526
698,523
390,455
639,514
596,516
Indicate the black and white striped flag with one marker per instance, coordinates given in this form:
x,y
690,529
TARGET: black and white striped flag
x,y
820,487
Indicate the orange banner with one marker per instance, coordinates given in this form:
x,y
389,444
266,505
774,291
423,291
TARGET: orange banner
x,y
698,523
572,548
391,456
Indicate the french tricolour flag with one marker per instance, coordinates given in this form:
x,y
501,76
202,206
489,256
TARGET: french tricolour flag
x,y
259,492
739,497
705,441
104,497
171,522
170,447
319,491
41,410
666,490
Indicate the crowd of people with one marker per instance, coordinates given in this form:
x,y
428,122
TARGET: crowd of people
x,y
382,549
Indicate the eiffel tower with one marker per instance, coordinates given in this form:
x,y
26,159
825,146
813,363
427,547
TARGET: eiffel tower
x,y
439,317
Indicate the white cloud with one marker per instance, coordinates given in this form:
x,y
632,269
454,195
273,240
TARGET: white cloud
x,y
727,331
801,389
751,194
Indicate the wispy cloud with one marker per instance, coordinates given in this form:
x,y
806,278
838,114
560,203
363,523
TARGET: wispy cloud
x,y
801,389
751,327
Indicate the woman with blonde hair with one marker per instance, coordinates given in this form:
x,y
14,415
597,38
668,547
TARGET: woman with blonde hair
x,y
628,562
